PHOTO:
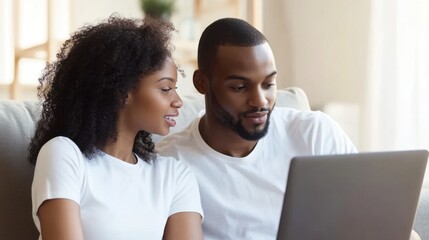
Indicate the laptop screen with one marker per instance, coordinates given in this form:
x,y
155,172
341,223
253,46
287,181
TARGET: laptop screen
x,y
353,196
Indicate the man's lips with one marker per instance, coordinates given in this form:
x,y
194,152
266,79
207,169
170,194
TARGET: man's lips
x,y
257,117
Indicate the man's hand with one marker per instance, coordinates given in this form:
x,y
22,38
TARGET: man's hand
x,y
414,235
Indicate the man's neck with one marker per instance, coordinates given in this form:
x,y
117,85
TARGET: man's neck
x,y
223,139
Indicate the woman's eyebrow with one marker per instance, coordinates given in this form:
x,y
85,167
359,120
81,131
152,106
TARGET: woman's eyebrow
x,y
166,78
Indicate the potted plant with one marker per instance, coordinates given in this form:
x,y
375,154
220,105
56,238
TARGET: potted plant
x,y
157,8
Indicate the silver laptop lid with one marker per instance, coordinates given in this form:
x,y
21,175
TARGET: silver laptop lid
x,y
361,196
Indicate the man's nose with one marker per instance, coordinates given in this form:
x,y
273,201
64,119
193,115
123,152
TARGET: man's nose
x,y
258,98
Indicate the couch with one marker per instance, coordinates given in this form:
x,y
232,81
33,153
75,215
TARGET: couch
x,y
17,123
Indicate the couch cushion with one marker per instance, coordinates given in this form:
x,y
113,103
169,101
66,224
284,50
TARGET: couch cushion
x,y
421,224
293,97
17,122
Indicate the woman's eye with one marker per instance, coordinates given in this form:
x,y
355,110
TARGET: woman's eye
x,y
167,90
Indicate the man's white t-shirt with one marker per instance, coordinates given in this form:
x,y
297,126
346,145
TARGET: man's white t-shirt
x,y
117,200
242,197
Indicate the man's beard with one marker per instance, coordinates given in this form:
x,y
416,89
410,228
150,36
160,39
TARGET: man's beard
x,y
227,120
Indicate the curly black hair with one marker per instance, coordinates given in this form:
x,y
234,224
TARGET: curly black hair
x,y
84,89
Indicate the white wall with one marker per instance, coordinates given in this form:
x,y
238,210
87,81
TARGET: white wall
x,y
85,11
321,46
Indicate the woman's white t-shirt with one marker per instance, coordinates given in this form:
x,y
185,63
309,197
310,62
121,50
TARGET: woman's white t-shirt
x,y
117,200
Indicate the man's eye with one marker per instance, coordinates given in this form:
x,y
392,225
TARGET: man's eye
x,y
238,88
269,85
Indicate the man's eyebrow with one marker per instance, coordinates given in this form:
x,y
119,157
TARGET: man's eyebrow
x,y
272,74
238,77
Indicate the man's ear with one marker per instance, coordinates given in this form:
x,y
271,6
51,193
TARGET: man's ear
x,y
201,82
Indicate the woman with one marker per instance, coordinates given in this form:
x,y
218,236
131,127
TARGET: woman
x,y
97,175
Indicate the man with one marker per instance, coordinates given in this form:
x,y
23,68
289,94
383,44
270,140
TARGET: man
x,y
240,149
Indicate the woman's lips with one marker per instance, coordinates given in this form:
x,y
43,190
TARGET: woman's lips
x,y
170,121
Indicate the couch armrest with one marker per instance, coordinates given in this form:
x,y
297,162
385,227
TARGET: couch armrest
x,y
293,97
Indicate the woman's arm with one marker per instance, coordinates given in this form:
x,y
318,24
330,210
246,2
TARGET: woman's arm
x,y
183,226
60,220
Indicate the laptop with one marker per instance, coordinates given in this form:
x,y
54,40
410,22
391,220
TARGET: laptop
x,y
362,196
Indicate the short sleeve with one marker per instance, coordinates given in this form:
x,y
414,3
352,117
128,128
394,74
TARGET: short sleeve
x,y
187,195
333,139
59,173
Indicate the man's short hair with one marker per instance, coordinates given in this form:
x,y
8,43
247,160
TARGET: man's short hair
x,y
225,32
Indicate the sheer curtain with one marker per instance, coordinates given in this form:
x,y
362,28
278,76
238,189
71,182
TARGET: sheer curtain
x,y
398,88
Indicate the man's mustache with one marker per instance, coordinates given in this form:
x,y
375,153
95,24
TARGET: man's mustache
x,y
256,110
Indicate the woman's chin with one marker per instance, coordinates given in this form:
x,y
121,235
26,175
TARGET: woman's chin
x,y
162,132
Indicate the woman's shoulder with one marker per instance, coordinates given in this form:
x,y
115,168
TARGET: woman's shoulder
x,y
62,142
61,147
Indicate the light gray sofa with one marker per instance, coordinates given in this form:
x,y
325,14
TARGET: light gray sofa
x,y
17,122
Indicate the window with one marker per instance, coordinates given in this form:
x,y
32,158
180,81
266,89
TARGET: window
x,y
32,33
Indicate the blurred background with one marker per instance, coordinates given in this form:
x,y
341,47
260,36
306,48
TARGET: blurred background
x,y
365,63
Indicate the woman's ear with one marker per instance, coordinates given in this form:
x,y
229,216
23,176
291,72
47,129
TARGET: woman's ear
x,y
128,99
201,82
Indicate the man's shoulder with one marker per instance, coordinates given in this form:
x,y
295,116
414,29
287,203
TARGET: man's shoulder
x,y
177,139
291,115
185,133
311,128
296,121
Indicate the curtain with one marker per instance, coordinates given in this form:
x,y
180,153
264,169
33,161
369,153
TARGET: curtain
x,y
397,116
